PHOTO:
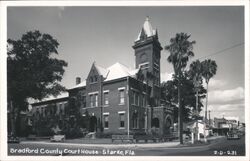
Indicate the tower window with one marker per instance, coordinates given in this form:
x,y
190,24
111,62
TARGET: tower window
x,y
143,57
156,67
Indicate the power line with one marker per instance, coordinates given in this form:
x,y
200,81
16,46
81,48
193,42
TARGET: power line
x,y
223,110
223,50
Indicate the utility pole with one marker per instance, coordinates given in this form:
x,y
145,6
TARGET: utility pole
x,y
209,120
101,97
128,104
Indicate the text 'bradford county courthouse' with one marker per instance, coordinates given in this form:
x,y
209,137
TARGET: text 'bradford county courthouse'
x,y
118,97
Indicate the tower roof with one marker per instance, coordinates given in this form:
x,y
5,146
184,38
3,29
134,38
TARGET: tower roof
x,y
147,30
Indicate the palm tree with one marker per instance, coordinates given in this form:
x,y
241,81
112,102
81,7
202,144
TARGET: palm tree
x,y
195,72
180,49
209,70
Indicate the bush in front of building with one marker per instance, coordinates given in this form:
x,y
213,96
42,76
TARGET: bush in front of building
x,y
44,131
109,134
72,133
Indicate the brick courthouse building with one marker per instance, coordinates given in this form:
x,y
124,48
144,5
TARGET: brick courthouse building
x,y
118,99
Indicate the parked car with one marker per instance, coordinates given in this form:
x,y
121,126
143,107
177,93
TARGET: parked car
x,y
13,139
231,135
58,138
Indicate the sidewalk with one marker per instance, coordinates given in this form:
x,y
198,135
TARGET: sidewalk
x,y
106,143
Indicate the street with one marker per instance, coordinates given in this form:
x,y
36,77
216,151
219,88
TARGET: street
x,y
218,147
221,147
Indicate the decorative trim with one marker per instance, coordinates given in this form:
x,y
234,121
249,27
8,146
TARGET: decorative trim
x,y
92,93
156,64
143,64
121,128
106,91
121,88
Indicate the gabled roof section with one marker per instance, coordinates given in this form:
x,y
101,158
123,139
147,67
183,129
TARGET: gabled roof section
x,y
82,84
102,71
62,95
147,30
113,72
134,72
117,70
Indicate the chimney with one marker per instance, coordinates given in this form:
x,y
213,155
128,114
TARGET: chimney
x,y
78,80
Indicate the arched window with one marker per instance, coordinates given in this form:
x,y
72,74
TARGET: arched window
x,y
155,123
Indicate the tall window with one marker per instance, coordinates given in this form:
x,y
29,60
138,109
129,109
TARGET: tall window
x,y
143,100
106,121
106,98
136,98
133,97
93,79
135,120
43,114
155,123
84,101
122,120
122,96
91,101
96,100
62,108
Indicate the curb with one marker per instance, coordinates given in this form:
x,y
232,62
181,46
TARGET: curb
x,y
166,145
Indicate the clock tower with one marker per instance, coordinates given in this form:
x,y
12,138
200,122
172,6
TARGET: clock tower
x,y
147,57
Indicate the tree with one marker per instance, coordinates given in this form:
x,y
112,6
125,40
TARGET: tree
x,y
180,49
169,91
209,68
33,71
195,72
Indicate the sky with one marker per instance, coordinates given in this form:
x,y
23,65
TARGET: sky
x,y
106,35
